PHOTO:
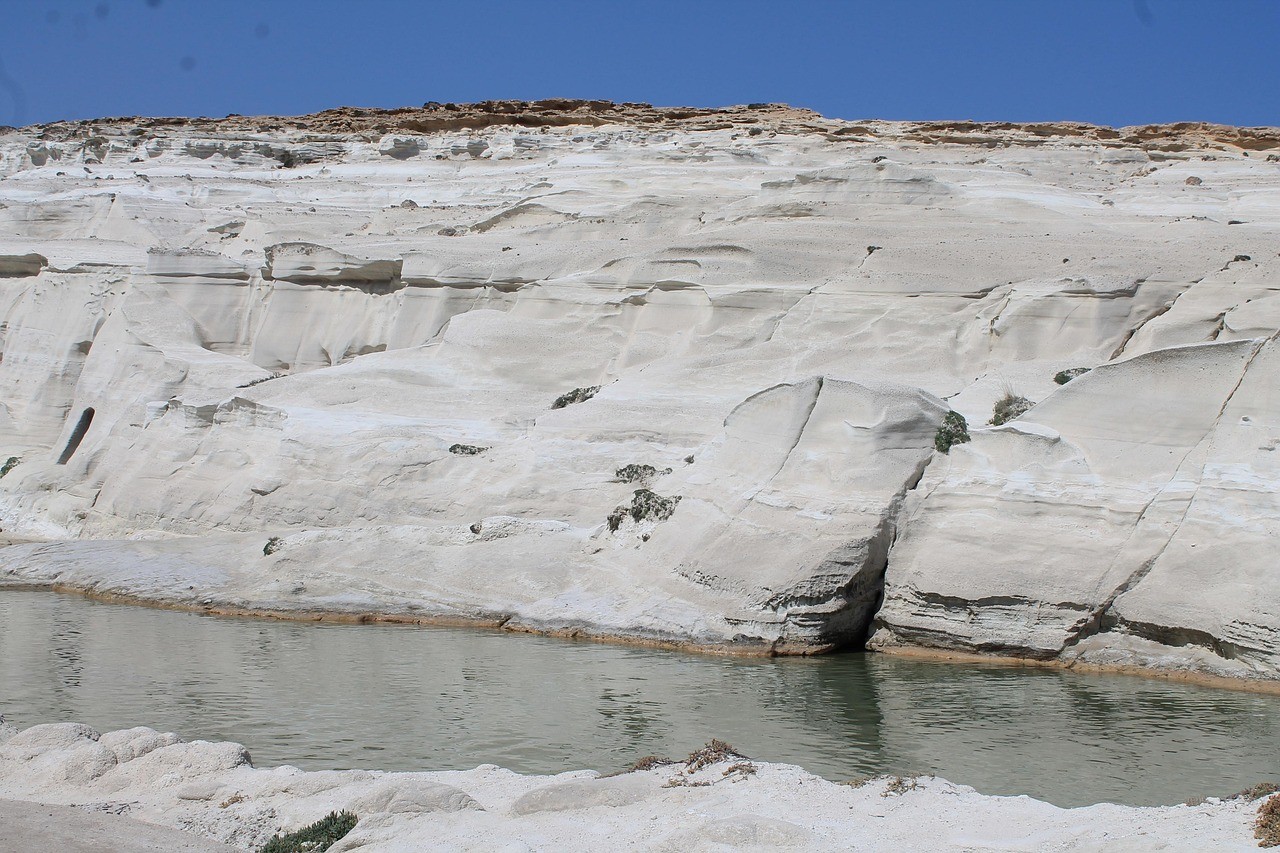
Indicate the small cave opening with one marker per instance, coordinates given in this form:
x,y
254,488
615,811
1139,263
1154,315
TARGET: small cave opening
x,y
77,436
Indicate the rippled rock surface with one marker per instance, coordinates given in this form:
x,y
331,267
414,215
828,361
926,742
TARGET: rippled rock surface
x,y
238,353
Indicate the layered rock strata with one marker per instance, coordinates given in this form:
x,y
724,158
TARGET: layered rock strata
x,y
239,356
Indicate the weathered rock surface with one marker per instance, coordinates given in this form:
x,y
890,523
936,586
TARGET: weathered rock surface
x,y
215,796
237,353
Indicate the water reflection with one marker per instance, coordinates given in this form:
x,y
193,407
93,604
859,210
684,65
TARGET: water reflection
x,y
405,698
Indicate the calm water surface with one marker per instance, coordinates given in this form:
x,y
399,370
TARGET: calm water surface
x,y
402,698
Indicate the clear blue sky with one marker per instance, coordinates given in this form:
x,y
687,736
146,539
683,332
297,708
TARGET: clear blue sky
x,y
1107,61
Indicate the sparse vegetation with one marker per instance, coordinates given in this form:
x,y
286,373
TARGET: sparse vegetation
x,y
1258,791
899,785
953,430
653,506
1267,827
275,543
9,464
741,768
645,505
638,473
314,838
649,762
466,449
1062,377
614,519
713,753
253,382
1008,407
577,395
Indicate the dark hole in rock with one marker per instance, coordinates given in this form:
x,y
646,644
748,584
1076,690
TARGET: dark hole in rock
x,y
77,436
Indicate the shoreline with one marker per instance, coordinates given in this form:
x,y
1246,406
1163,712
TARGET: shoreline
x,y
369,617
714,799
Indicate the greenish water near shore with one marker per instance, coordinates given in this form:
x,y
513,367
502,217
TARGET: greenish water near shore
x,y
406,698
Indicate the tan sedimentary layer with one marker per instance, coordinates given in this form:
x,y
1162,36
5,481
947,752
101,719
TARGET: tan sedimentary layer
x,y
434,117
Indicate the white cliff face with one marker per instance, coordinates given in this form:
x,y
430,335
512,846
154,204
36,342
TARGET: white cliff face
x,y
419,352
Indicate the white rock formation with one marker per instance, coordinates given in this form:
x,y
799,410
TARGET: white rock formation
x,y
213,793
340,339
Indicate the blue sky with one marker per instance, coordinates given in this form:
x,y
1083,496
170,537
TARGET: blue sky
x,y
1107,61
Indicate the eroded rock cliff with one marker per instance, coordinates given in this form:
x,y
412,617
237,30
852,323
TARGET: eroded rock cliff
x,y
671,375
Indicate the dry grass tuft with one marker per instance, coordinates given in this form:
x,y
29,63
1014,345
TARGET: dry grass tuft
x,y
1267,827
713,753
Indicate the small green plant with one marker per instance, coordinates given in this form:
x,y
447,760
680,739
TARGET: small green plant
x,y
1009,407
275,543
638,473
614,519
314,838
645,505
577,395
466,450
9,464
1267,827
953,430
1062,377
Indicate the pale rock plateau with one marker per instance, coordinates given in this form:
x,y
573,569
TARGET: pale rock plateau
x,y
670,376
138,785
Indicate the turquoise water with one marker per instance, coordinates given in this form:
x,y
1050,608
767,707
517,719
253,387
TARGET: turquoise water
x,y
404,698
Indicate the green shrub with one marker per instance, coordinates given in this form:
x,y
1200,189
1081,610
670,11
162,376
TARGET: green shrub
x,y
577,395
651,505
614,519
953,430
275,543
1062,377
317,837
1009,407
10,463
466,450
638,473
645,505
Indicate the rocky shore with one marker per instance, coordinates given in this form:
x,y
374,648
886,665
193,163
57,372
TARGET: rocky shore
x,y
130,786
